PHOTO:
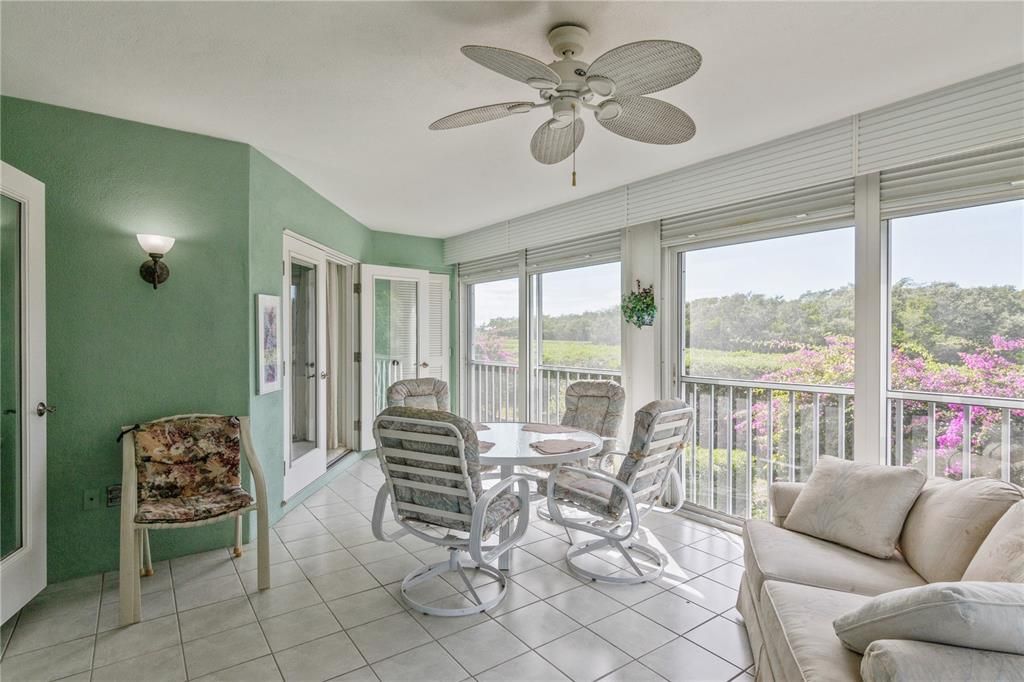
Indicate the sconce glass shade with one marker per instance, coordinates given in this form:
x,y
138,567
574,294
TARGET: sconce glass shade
x,y
155,243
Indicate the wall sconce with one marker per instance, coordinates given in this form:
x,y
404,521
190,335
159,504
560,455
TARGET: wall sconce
x,y
155,271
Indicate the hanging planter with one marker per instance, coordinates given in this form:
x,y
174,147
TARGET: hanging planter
x,y
638,307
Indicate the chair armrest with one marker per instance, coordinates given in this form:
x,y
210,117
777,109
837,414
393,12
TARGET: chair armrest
x,y
783,495
902,660
556,513
476,529
380,504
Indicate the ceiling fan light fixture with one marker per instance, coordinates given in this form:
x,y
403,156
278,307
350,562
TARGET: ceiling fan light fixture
x,y
521,108
601,86
541,83
608,110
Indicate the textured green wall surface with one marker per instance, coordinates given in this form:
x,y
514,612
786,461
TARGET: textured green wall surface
x,y
117,351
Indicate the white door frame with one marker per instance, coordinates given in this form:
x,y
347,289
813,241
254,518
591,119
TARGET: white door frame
x,y
23,573
299,474
368,275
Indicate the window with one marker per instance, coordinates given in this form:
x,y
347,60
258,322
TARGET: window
x,y
576,333
494,350
767,361
956,318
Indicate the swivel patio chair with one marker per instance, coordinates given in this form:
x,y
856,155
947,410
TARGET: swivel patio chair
x,y
183,472
425,392
615,506
431,465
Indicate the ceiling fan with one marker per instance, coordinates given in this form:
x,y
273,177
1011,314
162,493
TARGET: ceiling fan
x,y
613,86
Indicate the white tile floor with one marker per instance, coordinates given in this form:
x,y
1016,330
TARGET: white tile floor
x,y
333,612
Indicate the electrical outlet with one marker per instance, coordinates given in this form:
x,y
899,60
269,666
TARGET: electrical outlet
x,y
91,498
113,495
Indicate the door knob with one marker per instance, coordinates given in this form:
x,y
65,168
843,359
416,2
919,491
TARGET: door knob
x,y
323,374
42,409
424,365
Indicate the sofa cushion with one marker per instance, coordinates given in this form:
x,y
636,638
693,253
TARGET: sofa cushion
x,y
798,636
948,523
1001,555
977,615
861,506
773,553
901,660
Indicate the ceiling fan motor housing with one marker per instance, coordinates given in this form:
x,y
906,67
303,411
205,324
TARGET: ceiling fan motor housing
x,y
568,40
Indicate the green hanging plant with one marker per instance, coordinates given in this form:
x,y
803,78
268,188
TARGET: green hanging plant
x,y
638,307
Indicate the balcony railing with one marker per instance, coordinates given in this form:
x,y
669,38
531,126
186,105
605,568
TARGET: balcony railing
x,y
749,434
493,389
957,437
386,371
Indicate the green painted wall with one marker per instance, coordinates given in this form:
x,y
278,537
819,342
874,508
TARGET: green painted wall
x,y
117,351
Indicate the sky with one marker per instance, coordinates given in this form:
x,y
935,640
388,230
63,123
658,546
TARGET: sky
x,y
979,246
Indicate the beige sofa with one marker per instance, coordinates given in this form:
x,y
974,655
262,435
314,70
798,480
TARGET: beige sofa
x,y
795,585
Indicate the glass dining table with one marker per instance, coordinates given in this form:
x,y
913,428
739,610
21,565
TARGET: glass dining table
x,y
512,448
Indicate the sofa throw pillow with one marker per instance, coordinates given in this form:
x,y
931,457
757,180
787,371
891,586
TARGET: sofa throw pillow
x,y
948,523
1001,556
860,506
976,615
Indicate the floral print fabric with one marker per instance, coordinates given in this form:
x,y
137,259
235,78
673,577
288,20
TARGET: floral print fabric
x,y
424,393
502,507
188,469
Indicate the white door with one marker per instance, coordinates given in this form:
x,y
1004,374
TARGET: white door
x,y
23,407
304,313
403,334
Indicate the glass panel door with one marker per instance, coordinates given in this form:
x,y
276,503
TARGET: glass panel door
x,y
23,407
303,359
394,335
305,350
11,466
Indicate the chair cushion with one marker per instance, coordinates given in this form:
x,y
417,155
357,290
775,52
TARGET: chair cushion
x,y
193,508
1001,555
424,393
595,406
773,553
900,660
590,493
187,457
977,615
861,506
798,635
948,523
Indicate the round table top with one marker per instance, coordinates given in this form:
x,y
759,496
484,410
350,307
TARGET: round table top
x,y
512,445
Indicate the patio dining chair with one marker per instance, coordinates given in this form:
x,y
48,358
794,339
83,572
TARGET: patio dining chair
x,y
431,466
614,506
425,392
183,472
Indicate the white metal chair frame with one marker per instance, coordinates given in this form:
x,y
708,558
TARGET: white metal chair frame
x,y
659,454
136,559
482,555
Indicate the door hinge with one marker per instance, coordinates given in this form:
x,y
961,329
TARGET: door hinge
x,y
283,270
284,468
359,424
357,288
357,357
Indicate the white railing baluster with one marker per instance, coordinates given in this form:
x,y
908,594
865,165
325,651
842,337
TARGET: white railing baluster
x,y
1004,445
966,464
931,439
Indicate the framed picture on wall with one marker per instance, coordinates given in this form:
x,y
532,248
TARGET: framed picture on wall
x,y
268,343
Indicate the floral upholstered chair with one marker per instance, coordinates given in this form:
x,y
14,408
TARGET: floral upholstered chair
x,y
595,406
615,505
182,472
431,466
426,393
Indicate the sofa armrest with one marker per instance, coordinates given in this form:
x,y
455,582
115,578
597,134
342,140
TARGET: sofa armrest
x,y
783,495
902,660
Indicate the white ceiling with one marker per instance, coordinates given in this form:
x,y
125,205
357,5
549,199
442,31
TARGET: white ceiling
x,y
341,94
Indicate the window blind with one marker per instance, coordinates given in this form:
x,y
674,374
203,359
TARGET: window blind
x,y
826,205
489,269
981,177
592,250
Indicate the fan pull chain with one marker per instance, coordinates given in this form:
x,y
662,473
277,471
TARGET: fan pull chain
x,y
573,145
